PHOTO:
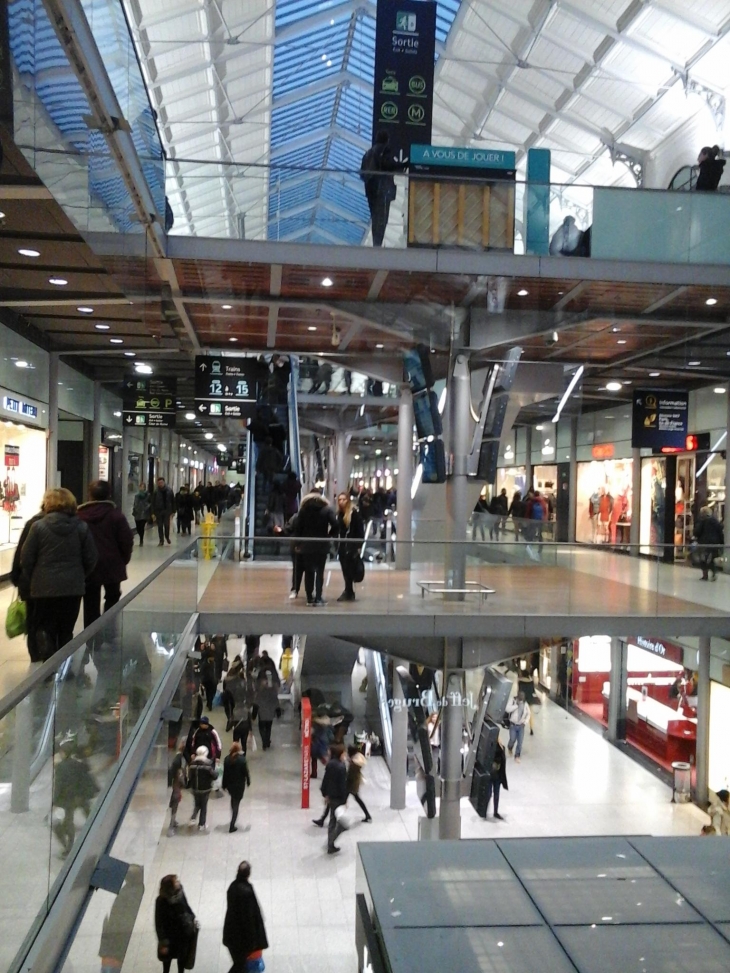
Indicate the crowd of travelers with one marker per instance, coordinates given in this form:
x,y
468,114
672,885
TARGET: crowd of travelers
x,y
532,515
187,506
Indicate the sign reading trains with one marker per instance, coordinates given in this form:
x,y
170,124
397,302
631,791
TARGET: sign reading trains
x,y
226,387
405,47
659,419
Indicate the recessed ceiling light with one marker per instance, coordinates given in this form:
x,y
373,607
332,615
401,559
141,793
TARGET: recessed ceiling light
x,y
117,414
29,253
233,339
693,363
85,310
615,330
130,354
116,341
102,327
720,390
654,374
522,293
190,416
379,346
209,435
226,307
312,327
58,281
621,341
142,368
710,301
613,386
327,282
21,364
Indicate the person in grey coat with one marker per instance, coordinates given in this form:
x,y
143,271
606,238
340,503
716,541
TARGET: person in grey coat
x,y
267,703
58,556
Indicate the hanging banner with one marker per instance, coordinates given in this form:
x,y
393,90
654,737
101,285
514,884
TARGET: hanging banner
x,y
306,750
405,48
659,419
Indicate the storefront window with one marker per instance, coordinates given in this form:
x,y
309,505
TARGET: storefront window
x,y
604,502
718,776
511,478
23,455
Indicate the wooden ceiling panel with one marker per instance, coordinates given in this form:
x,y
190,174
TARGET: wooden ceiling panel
x,y
306,282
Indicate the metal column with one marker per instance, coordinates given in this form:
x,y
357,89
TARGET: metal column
x,y
404,531
452,718
634,530
617,700
96,432
52,478
528,458
126,509
457,508
399,746
572,478
702,753
342,472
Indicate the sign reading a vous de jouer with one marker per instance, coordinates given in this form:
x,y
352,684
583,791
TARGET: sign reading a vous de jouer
x,y
405,48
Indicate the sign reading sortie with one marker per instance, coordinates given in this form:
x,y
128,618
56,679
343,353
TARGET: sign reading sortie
x,y
306,750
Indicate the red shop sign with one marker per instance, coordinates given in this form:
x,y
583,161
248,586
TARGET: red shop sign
x,y
306,749
603,451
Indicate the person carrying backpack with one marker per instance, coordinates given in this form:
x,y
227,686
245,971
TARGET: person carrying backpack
x,y
376,170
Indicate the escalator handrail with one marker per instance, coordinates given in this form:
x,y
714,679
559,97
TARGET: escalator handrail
x,y
295,454
11,699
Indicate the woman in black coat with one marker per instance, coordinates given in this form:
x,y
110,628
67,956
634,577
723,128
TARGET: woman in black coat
x,y
244,932
349,528
175,925
235,779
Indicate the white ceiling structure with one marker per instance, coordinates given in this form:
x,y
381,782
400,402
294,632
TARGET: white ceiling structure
x,y
253,81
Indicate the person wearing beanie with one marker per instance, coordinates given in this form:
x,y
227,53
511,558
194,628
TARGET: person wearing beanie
x,y
201,776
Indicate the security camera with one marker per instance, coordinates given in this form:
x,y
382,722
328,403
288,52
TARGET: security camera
x,y
552,339
336,337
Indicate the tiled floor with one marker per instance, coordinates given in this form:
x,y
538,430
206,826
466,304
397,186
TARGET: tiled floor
x,y
569,782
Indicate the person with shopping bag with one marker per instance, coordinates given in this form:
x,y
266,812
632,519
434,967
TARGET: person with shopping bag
x,y
334,791
244,932
175,925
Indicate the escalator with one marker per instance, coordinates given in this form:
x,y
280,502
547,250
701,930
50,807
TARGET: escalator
x,y
277,416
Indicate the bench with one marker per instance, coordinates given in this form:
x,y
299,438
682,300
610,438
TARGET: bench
x,y
470,588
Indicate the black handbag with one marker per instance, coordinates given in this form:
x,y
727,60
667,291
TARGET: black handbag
x,y
357,569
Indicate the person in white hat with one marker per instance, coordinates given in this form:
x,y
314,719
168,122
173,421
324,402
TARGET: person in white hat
x,y
201,776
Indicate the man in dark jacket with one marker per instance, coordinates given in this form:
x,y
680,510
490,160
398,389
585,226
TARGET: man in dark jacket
x,y
378,166
711,538
334,791
235,780
163,507
114,543
315,520
243,930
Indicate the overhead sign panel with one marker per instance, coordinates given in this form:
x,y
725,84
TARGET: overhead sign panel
x,y
405,48
149,402
226,387
659,419
463,161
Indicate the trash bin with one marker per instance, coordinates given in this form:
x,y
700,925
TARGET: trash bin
x,y
682,782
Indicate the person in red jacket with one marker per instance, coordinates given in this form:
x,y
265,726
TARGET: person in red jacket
x,y
114,541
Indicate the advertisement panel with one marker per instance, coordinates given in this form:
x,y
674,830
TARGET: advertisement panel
x,y
659,419
405,48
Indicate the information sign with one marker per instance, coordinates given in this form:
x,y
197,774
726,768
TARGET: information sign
x,y
659,419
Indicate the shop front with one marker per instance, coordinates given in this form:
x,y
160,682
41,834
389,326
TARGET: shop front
x,y
23,458
661,694
604,502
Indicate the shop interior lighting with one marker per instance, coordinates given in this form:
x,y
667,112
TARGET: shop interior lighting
x,y
24,252
712,455
327,282
613,386
58,281
566,394
711,301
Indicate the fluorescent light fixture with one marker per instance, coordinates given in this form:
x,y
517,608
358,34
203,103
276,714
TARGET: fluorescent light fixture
x,y
379,346
58,281
712,455
190,416
522,293
720,390
711,301
613,386
621,341
566,394
85,310
102,327
327,282
654,374
24,252
233,339
694,362
417,476
312,327
142,368
442,400
209,435
116,341
226,307
130,354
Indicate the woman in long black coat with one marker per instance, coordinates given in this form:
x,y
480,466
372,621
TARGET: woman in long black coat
x,y
350,529
244,932
175,925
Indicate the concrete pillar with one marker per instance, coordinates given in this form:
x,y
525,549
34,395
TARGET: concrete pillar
x,y
52,442
126,496
96,432
702,756
572,478
457,508
635,530
554,668
342,471
404,482
528,458
452,717
616,729
399,748
22,738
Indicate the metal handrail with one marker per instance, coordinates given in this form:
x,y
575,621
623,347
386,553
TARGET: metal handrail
x,y
11,699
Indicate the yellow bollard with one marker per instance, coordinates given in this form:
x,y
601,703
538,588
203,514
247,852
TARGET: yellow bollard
x,y
207,530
